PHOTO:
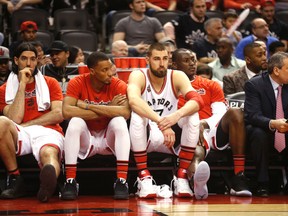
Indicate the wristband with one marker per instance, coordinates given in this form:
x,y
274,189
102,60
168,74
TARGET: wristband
x,y
193,95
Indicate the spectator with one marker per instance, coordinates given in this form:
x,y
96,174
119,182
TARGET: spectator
x,y
276,46
19,4
204,71
156,5
52,5
59,53
213,5
76,55
41,58
188,28
205,47
220,128
28,33
138,30
277,28
160,117
228,20
241,4
226,62
260,31
33,126
4,64
256,61
97,106
265,114
170,47
119,48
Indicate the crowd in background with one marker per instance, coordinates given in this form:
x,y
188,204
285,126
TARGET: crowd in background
x,y
229,60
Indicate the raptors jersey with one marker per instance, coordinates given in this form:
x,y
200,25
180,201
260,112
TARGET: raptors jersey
x,y
163,102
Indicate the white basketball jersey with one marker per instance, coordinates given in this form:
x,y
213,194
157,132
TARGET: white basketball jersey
x,y
163,102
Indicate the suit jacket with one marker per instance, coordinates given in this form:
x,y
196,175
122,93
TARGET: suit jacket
x,y
234,82
260,101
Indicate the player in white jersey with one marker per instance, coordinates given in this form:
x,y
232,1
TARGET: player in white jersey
x,y
153,97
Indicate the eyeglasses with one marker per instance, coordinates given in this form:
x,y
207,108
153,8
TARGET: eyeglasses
x,y
261,27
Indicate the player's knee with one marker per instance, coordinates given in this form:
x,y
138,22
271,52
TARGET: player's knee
x,y
76,124
194,120
118,124
156,138
7,124
236,115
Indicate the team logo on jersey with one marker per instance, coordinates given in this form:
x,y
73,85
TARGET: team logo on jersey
x,y
201,91
30,102
161,102
30,94
148,88
97,103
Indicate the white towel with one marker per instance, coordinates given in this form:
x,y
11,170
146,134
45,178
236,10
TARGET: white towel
x,y
42,90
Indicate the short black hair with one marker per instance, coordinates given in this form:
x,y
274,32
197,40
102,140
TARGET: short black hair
x,y
249,47
230,13
95,57
274,45
177,53
37,44
73,51
204,69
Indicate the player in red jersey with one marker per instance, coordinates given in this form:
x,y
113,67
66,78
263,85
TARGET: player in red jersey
x,y
32,108
97,105
220,128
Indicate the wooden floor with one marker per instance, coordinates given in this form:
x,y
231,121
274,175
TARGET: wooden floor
x,y
105,205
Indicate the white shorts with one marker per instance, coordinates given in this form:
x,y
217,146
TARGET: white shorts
x,y
114,140
32,138
189,135
211,140
97,145
156,140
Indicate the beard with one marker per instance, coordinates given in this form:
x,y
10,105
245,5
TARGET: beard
x,y
160,73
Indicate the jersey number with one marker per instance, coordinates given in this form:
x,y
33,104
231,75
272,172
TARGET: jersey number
x,y
159,111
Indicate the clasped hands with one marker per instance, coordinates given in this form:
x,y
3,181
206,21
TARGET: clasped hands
x,y
165,124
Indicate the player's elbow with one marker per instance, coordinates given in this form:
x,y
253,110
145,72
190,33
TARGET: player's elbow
x,y
127,114
58,115
132,102
65,113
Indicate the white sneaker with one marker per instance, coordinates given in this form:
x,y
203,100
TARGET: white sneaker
x,y
163,191
145,186
181,187
201,177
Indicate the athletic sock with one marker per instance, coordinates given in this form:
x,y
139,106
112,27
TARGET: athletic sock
x,y
239,163
122,169
70,170
185,157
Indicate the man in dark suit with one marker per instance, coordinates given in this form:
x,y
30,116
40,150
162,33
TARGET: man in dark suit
x,y
260,115
256,61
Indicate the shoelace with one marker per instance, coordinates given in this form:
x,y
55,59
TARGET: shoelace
x,y
70,180
182,182
140,180
163,191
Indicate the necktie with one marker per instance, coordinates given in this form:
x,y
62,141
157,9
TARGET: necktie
x,y
279,142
